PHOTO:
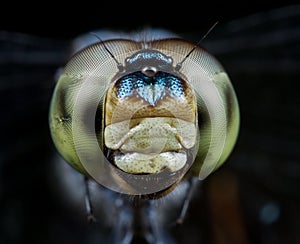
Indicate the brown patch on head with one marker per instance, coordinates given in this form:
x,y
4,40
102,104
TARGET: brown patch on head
x,y
120,109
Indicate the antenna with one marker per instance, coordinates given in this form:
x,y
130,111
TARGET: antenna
x,y
119,65
179,65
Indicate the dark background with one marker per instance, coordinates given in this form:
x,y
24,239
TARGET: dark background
x,y
253,198
58,20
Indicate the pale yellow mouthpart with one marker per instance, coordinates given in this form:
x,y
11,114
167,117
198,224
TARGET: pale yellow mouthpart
x,y
148,145
137,163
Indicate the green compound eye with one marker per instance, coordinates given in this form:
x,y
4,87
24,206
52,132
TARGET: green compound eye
x,y
141,119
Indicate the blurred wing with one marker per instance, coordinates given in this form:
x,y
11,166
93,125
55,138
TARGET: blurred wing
x,y
261,53
27,68
259,184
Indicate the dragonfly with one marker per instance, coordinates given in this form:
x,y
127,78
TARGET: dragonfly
x,y
153,122
256,188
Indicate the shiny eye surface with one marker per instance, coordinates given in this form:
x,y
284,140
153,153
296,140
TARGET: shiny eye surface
x,y
254,195
138,124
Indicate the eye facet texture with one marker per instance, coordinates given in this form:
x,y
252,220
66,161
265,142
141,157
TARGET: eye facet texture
x,y
143,116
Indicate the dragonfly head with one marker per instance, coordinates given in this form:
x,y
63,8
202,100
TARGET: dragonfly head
x,y
140,120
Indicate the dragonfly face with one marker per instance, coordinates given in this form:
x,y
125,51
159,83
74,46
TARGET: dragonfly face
x,y
257,186
138,116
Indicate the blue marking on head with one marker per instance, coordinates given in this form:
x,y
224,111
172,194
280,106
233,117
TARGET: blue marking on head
x,y
149,55
151,89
